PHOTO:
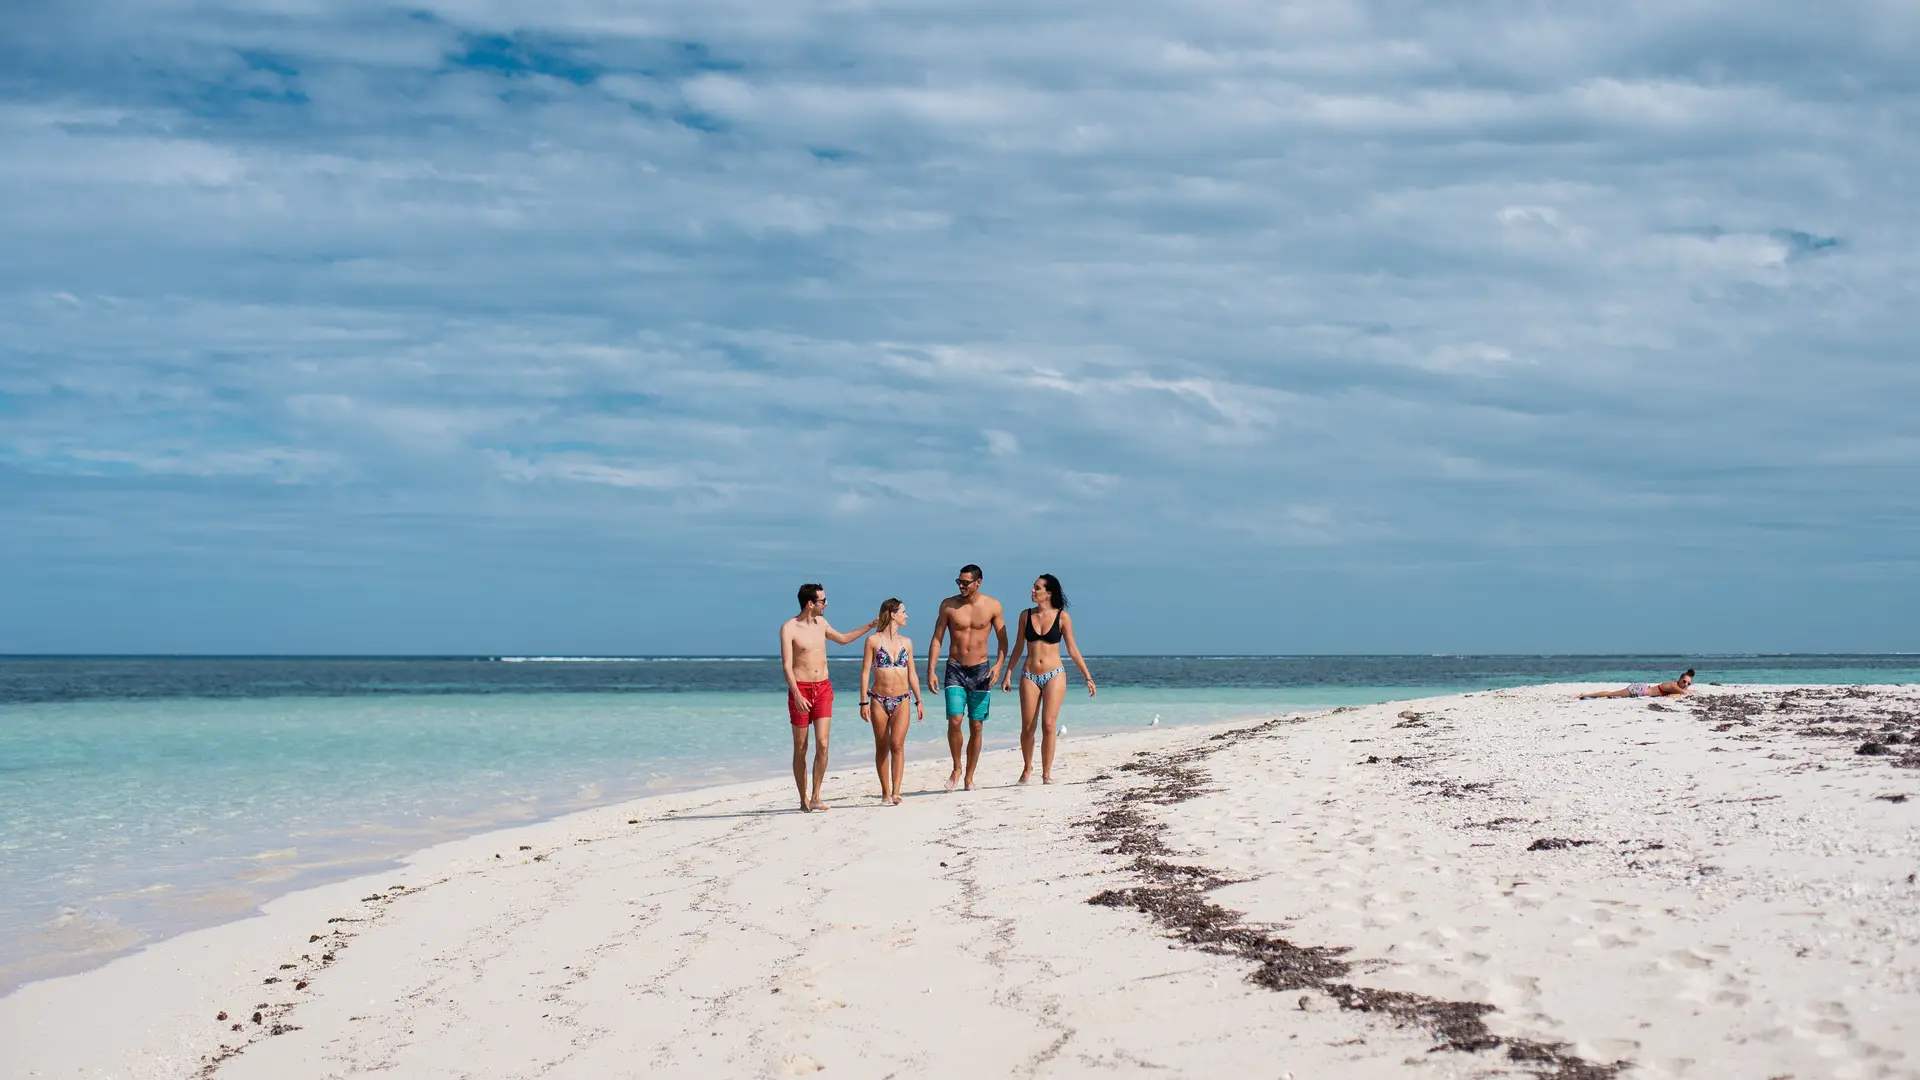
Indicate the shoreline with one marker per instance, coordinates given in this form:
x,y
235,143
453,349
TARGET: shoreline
x,y
495,819
203,963
118,849
1406,833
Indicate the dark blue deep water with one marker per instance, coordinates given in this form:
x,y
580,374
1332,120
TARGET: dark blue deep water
x,y
43,679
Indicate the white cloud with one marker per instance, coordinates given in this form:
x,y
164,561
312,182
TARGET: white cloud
x,y
1400,270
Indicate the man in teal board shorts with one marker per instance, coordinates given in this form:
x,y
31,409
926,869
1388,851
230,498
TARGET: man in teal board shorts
x,y
969,679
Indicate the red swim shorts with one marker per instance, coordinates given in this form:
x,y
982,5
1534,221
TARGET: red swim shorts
x,y
818,695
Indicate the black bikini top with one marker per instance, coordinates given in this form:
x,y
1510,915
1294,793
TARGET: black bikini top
x,y
1051,637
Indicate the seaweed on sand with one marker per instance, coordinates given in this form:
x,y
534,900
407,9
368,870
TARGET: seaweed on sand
x,y
1174,895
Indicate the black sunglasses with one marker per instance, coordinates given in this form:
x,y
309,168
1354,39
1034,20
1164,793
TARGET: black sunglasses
x,y
963,582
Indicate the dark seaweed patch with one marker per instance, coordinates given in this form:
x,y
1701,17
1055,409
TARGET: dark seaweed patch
x,y
1451,789
1881,722
1174,896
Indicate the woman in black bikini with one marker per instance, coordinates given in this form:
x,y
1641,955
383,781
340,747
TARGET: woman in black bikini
x,y
888,663
1043,686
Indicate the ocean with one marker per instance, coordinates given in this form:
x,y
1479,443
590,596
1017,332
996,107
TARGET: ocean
x,y
144,796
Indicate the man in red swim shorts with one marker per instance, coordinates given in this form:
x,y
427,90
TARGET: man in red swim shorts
x,y
803,659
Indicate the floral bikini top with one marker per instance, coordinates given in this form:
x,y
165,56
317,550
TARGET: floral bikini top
x,y
882,659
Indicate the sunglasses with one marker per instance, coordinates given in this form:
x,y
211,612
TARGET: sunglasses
x,y
963,582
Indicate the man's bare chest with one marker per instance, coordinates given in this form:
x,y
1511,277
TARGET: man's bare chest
x,y
970,619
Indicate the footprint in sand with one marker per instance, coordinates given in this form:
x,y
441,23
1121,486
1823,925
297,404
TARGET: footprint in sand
x,y
824,1004
1689,958
1830,1028
1608,1049
1507,992
801,1065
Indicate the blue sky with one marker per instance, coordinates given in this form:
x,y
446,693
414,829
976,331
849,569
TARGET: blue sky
x,y
584,326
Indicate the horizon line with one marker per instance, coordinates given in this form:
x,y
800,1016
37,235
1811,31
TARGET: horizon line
x,y
744,657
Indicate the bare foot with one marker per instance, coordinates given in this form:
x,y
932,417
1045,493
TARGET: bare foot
x,y
804,808
1024,775
818,805
896,800
953,780
1046,779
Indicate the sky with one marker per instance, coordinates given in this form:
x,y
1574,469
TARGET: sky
x,y
598,326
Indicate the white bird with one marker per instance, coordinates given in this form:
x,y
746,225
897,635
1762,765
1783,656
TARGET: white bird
x,y
1156,720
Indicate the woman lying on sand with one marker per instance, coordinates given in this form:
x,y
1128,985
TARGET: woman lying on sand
x,y
1681,685
889,662
1043,686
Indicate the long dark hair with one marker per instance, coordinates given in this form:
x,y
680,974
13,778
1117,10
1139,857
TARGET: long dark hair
x,y
1054,591
885,620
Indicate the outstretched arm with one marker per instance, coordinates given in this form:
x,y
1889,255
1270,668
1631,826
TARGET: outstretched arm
x,y
933,648
913,674
786,667
839,638
1000,634
1013,662
1073,650
866,672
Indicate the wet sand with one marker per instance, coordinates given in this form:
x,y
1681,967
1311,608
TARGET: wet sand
x,y
1509,883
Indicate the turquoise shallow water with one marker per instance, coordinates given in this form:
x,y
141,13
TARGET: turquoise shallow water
x,y
127,818
143,818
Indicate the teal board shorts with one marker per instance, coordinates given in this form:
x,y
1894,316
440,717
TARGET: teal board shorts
x,y
968,690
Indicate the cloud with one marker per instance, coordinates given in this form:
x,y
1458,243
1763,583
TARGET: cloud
x,y
1425,287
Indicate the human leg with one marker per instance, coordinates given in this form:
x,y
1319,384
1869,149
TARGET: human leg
x,y
1051,696
1029,721
822,727
878,719
979,703
897,727
972,750
800,763
955,696
956,740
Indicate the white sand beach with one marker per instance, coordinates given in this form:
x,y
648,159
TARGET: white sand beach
x,y
1509,883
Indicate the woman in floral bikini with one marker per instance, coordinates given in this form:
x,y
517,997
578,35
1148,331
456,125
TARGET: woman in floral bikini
x,y
887,667
1681,685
